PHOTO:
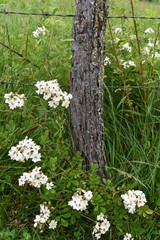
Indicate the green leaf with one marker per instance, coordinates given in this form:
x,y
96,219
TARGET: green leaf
x,y
73,219
64,222
149,212
66,215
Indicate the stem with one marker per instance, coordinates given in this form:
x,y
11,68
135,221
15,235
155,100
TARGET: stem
x,y
120,70
139,47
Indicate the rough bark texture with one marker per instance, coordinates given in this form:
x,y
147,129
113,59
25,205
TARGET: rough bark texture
x,y
88,52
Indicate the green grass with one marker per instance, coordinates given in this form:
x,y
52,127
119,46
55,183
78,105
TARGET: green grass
x,y
132,140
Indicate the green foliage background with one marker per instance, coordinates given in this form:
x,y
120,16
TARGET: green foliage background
x,y
132,141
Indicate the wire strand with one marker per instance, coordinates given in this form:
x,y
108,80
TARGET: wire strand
x,y
105,86
6,12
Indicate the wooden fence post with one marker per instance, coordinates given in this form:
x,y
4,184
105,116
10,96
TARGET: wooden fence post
x,y
88,52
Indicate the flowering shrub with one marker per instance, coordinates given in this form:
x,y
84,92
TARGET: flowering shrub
x,y
119,211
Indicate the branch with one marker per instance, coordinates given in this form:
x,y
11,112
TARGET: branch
x,y
19,54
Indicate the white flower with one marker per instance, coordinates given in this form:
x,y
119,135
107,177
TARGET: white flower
x,y
44,216
128,64
97,235
80,200
25,150
150,44
107,61
51,91
133,199
14,100
128,236
118,30
100,217
40,30
101,227
88,195
133,37
156,55
53,224
146,50
49,185
117,40
149,30
65,103
35,178
127,47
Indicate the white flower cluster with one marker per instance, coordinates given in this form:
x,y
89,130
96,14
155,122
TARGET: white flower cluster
x,y
133,37
14,99
107,61
149,30
146,50
101,227
118,30
25,150
133,199
156,55
51,90
41,30
117,40
35,178
128,236
80,199
128,64
150,42
43,217
127,47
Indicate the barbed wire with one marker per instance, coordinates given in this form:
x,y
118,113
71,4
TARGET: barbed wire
x,y
6,12
24,84
67,86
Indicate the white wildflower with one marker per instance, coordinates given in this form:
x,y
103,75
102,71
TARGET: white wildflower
x,y
118,30
101,227
25,150
107,61
156,55
133,199
49,185
51,91
146,50
35,178
133,37
44,216
88,195
150,44
128,236
41,30
14,100
127,47
80,200
149,30
53,224
117,40
128,64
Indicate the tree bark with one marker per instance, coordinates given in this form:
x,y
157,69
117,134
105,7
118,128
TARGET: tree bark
x,y
88,52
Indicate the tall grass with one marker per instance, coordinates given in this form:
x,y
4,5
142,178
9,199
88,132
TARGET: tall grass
x,y
132,145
